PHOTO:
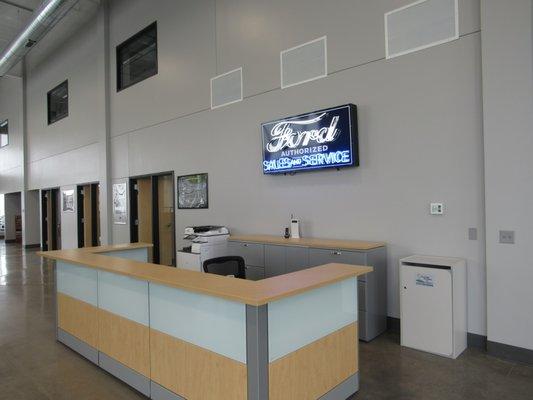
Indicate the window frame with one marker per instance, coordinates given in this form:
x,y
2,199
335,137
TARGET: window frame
x,y
127,42
48,96
7,132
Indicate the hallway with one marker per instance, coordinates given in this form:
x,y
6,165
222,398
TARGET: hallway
x,y
34,366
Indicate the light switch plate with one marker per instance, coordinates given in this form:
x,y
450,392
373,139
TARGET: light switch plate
x,y
507,237
472,233
436,208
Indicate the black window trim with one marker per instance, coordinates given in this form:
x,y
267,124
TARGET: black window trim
x,y
65,82
128,41
7,132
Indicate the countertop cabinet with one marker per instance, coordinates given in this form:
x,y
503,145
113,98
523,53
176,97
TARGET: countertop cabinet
x,y
267,260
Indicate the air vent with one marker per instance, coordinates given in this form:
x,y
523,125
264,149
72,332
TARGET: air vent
x,y
421,25
226,88
304,63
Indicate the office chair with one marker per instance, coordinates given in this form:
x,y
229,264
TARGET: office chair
x,y
228,265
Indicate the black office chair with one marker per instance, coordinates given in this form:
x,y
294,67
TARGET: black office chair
x,y
229,265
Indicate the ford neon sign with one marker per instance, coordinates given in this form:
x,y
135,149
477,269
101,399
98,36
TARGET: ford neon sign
x,y
320,139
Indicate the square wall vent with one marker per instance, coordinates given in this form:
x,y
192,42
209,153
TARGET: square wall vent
x,y
420,25
304,63
226,88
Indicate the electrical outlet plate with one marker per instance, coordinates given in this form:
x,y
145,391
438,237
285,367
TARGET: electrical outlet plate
x,y
507,237
436,208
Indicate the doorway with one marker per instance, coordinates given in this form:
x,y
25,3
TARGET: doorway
x,y
12,220
51,219
152,215
88,196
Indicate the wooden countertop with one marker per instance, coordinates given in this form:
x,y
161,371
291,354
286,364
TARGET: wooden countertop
x,y
254,293
309,242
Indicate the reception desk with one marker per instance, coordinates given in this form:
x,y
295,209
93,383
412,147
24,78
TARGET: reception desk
x,y
179,334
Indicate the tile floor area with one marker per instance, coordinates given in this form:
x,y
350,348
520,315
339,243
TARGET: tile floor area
x,y
34,366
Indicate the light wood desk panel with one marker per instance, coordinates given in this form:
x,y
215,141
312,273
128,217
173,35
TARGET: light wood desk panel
x,y
78,318
312,371
193,372
126,341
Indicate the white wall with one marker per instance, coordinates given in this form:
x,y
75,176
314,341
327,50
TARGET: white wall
x,y
420,123
508,127
11,174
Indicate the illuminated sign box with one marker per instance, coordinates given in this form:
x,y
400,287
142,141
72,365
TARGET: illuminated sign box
x,y
320,139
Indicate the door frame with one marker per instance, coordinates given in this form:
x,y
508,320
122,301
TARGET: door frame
x,y
55,192
134,231
80,212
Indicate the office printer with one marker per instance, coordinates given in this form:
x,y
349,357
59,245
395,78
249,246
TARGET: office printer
x,y
207,241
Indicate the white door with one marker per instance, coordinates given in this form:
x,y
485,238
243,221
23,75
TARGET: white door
x,y
426,309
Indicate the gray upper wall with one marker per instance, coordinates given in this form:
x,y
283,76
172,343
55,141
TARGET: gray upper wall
x,y
11,159
66,151
248,34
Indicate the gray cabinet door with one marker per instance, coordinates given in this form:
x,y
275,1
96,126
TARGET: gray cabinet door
x,y
274,260
325,256
254,273
361,295
297,258
253,253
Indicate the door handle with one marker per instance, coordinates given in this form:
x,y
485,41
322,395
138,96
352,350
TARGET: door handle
x,y
336,252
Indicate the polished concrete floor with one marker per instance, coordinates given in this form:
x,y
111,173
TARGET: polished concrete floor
x,y
34,366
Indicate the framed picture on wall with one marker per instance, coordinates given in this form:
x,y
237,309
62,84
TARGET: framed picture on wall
x,y
193,191
120,205
68,200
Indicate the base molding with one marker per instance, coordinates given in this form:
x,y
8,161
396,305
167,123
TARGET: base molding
x,y
32,246
137,381
158,392
79,346
11,240
393,324
476,341
344,389
511,353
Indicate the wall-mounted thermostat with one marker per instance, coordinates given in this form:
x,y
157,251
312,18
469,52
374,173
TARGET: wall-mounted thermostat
x,y
436,208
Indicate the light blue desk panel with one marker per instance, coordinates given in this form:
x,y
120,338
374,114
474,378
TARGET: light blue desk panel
x,y
132,254
78,282
297,321
124,296
210,322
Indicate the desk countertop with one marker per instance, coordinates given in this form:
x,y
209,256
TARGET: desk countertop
x,y
254,293
309,242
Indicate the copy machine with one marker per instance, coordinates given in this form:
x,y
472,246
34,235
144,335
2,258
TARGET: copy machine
x,y
208,241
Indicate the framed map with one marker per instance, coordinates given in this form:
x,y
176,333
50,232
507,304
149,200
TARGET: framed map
x,y
120,205
193,191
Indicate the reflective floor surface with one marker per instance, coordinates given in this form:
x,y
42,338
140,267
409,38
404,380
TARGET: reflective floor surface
x,y
34,366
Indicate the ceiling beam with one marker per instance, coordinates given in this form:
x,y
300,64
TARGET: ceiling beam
x,y
13,4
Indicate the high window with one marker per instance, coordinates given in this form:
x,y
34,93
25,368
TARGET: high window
x,y
58,103
137,57
4,134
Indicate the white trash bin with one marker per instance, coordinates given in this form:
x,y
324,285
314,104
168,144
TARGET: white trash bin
x,y
433,304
